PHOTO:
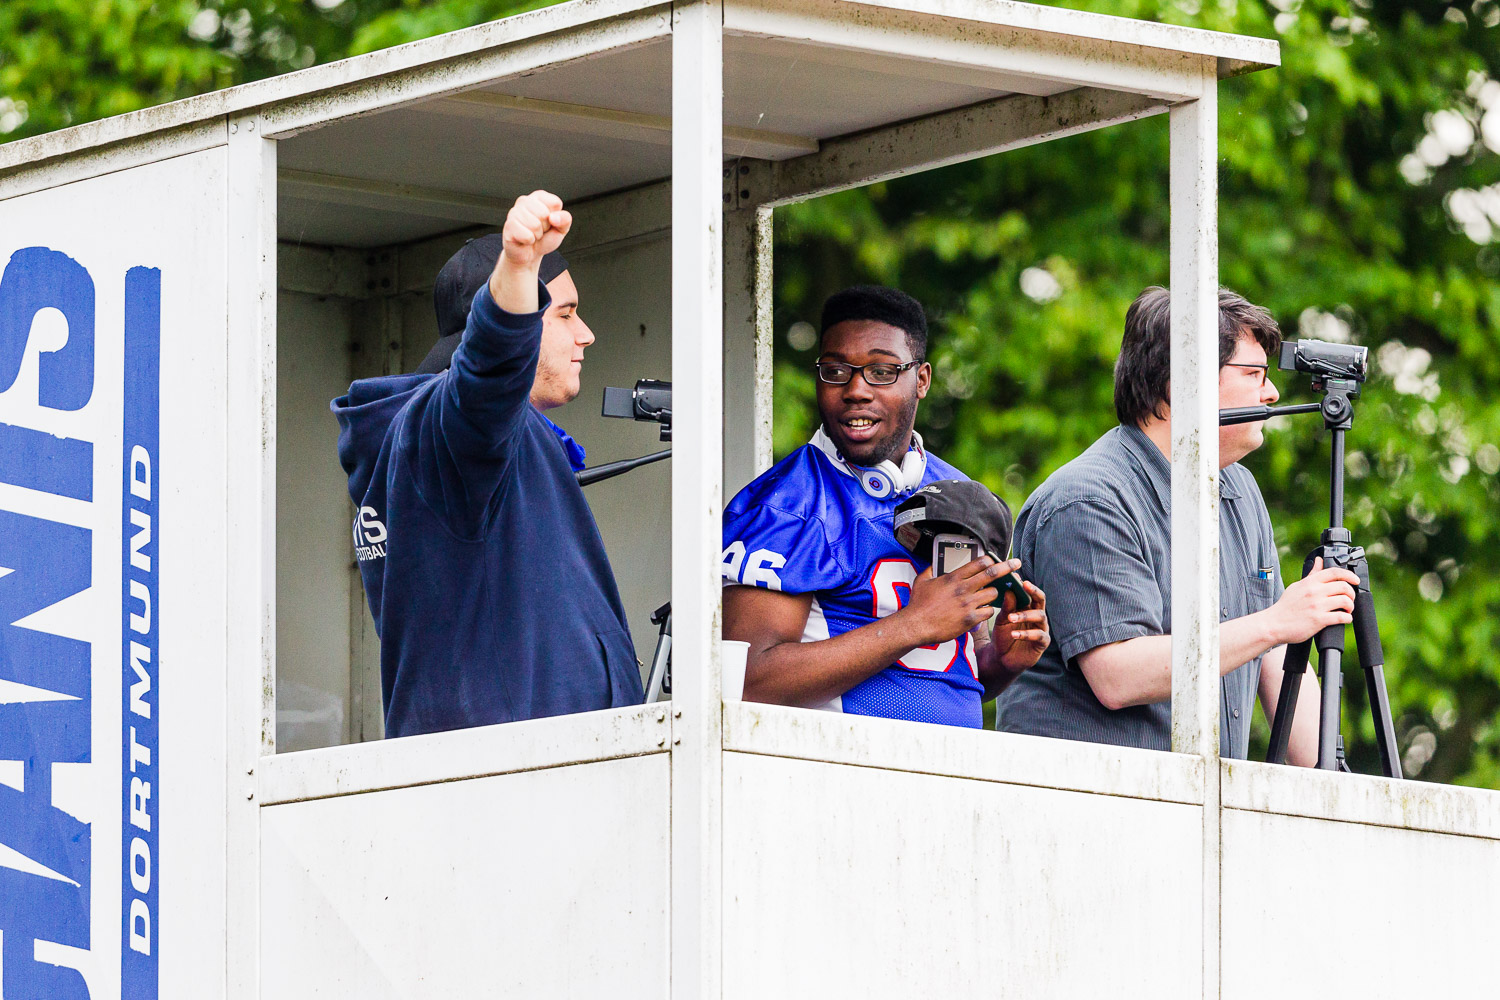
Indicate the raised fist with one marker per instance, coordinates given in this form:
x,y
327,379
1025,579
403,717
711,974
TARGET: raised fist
x,y
534,228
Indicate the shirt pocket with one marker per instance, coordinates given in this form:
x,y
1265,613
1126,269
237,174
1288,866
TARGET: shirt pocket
x,y
1259,594
619,662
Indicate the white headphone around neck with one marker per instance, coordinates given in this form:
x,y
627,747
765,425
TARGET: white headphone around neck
x,y
886,479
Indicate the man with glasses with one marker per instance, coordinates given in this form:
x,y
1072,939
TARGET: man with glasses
x,y
835,612
1097,536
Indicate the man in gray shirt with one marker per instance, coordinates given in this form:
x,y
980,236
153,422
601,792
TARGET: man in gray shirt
x,y
1097,538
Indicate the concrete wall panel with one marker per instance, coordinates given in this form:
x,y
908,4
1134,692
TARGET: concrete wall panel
x,y
1319,908
854,881
549,883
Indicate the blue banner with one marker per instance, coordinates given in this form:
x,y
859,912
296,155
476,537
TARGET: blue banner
x,y
140,644
46,708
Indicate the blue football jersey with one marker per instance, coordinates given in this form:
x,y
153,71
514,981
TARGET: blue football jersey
x,y
807,526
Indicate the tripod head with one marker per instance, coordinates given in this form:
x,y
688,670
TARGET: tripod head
x,y
1338,370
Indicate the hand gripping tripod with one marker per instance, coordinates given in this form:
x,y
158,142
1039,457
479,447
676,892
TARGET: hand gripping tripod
x,y
1336,549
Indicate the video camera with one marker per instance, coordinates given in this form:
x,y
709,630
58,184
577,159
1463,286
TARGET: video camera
x,y
1338,370
1325,360
649,400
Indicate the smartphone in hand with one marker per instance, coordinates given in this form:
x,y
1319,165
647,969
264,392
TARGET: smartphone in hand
x,y
950,551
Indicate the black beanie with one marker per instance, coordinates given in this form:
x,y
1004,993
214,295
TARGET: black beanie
x,y
457,283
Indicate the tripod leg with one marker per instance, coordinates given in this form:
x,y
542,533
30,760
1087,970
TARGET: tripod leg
x,y
1331,669
659,681
1372,659
1293,667
1330,642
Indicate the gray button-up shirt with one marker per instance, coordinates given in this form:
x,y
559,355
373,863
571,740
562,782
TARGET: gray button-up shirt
x,y
1097,538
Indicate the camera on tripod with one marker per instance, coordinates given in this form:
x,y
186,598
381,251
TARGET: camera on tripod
x,y
1325,360
649,400
1338,370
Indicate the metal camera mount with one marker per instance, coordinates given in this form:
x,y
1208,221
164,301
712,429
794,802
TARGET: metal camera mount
x,y
649,400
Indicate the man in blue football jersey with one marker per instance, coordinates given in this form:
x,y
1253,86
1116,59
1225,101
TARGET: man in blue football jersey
x,y
836,614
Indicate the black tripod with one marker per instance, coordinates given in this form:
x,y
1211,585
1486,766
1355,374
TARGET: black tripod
x,y
1336,549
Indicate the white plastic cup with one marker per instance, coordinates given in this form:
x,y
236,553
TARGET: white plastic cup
x,y
732,654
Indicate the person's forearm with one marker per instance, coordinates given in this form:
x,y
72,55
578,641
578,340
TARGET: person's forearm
x,y
811,673
1302,741
499,342
994,675
514,288
1139,671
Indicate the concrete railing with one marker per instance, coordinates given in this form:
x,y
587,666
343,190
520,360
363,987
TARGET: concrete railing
x,y
862,857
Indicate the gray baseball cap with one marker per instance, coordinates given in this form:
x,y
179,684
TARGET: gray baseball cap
x,y
959,506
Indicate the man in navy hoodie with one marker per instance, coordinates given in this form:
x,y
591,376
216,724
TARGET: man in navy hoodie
x,y
484,570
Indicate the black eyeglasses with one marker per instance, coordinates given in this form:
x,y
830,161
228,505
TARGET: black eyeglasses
x,y
882,373
1262,370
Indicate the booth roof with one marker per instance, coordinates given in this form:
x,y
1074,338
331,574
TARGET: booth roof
x,y
441,133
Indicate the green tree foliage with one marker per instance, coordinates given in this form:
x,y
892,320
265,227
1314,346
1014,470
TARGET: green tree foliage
x,y
1359,199
63,62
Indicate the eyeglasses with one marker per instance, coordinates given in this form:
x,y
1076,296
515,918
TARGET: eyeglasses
x,y
838,373
1261,371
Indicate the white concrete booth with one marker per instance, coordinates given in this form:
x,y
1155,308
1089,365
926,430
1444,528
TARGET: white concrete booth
x,y
194,797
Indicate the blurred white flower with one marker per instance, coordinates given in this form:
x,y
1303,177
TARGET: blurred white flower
x,y
1466,208
204,25
1432,151
1316,324
1430,586
1423,745
1407,369
13,114
1453,131
1414,169
1457,468
1040,285
1489,126
1486,92
801,336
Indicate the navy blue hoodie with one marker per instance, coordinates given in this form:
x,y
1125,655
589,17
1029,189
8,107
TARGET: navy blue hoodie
x,y
485,572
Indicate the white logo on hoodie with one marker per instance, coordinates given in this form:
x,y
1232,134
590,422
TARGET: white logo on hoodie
x,y
369,535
